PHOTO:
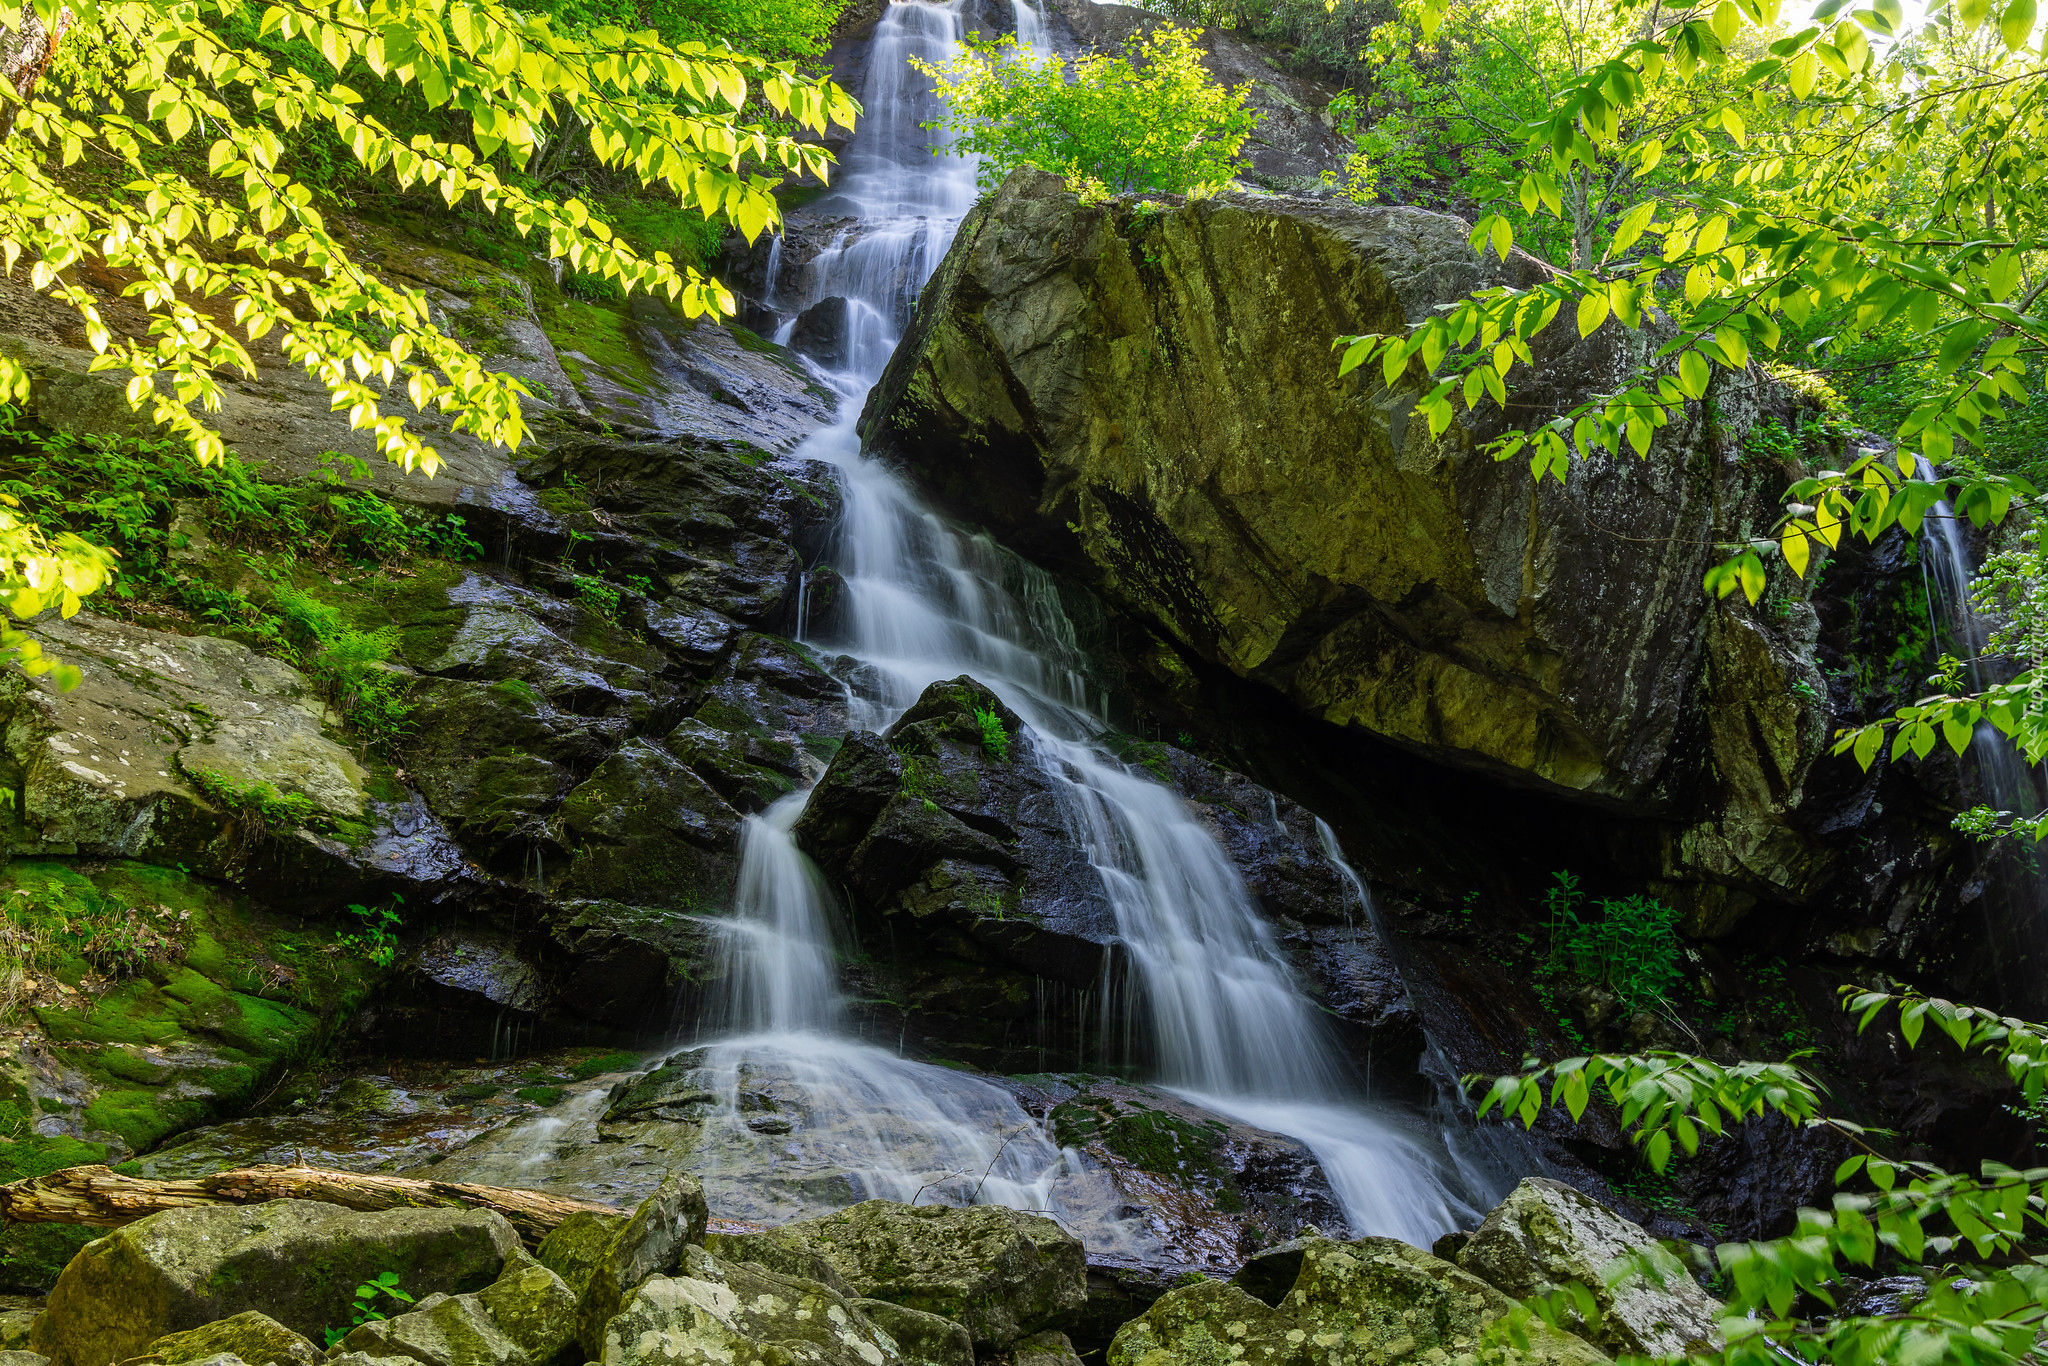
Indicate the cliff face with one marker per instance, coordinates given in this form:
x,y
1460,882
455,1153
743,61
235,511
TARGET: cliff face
x,y
1145,394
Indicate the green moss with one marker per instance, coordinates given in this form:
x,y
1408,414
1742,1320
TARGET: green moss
x,y
602,336
245,997
471,1091
599,1064
1188,1152
541,1095
518,692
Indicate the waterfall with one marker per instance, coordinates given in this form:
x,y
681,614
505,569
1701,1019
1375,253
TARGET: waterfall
x,y
1232,1028
2012,873
799,1118
1947,569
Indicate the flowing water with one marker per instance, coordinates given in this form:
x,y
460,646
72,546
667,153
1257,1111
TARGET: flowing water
x,y
2012,872
1228,1024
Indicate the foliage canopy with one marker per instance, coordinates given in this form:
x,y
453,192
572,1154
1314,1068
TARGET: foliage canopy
x,y
207,230
1149,120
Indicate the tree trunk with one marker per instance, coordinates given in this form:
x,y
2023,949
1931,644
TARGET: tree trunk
x,y
25,54
106,1199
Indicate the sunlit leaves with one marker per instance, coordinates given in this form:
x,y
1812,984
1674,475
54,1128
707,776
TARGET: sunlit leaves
x,y
669,116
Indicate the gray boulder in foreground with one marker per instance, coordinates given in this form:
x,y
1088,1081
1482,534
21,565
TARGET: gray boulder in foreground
x,y
1000,1273
1546,1234
298,1261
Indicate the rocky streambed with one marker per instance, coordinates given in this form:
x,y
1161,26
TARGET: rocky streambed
x,y
297,1283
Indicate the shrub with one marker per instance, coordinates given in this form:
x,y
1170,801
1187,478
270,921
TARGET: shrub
x,y
1149,120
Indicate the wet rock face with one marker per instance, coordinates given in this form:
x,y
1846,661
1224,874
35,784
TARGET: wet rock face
x,y
983,917
949,836
1144,394
1210,1191
1364,1303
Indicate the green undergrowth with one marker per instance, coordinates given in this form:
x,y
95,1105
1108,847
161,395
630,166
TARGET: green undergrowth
x,y
219,552
186,1003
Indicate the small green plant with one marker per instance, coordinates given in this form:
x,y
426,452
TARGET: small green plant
x,y
1184,740
598,596
377,941
370,1295
259,808
1804,690
1632,948
995,736
1561,910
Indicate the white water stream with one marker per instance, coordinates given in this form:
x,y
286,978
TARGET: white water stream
x,y
1230,1026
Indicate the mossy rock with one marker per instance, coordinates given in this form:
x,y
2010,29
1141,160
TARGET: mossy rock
x,y
1373,1302
527,1317
1000,1273
713,1310
298,1261
256,1338
574,1247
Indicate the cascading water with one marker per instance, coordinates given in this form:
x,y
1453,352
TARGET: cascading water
x,y
850,1120
1229,1024
1947,568
2010,872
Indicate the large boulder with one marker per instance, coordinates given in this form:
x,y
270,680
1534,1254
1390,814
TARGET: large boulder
x,y
719,1311
297,1261
1145,395
527,1317
574,1247
650,1242
1374,1302
1000,1273
1546,1235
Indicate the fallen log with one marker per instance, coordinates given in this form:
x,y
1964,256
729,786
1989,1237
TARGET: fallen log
x,y
103,1198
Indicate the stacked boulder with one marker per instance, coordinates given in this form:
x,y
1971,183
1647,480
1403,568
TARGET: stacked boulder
x,y
1376,1301
265,1285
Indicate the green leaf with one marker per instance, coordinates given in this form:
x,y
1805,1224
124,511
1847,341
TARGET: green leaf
x,y
2016,24
1694,374
1961,342
1592,313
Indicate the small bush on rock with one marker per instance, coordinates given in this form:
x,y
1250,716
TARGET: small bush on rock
x,y
995,737
1149,120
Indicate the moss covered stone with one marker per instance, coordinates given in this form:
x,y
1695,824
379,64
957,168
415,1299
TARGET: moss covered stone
x,y
256,1338
527,1317
922,1339
1373,1302
718,1311
1000,1273
297,1261
574,1247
